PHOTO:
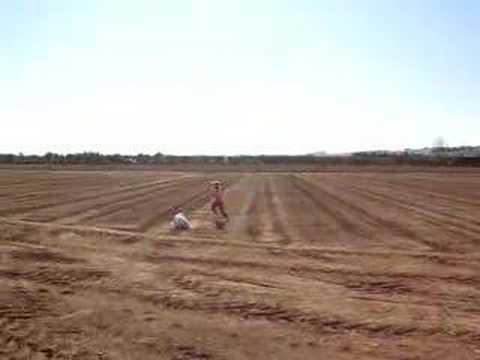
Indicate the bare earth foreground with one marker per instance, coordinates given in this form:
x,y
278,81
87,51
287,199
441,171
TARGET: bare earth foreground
x,y
312,266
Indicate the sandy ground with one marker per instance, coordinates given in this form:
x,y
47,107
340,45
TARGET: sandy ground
x,y
311,266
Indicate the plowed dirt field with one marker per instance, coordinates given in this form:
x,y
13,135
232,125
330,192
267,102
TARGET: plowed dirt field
x,y
311,266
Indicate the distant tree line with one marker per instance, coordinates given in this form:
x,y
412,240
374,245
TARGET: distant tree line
x,y
436,151
80,158
158,158
436,156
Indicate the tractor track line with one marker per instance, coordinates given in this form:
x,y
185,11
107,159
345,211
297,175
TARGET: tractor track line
x,y
330,209
430,216
276,213
24,209
87,230
113,205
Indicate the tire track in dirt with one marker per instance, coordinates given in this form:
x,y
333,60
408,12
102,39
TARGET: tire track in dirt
x,y
85,214
124,235
18,309
374,287
63,276
390,289
275,227
16,302
375,221
436,189
241,281
229,278
254,214
42,255
46,182
441,221
244,223
383,227
33,283
210,299
32,193
410,210
330,209
59,203
421,197
304,221
108,198
310,270
28,194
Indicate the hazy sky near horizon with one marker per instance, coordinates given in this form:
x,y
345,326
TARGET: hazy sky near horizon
x,y
238,76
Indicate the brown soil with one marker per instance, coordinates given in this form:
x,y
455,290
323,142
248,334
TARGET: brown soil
x,y
350,265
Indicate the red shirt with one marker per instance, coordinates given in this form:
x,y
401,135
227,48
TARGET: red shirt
x,y
218,195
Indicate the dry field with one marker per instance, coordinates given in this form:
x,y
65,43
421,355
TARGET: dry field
x,y
312,266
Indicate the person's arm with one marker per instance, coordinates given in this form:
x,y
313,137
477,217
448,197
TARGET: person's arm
x,y
175,222
189,224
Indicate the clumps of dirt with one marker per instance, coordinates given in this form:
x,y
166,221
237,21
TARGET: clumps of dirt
x,y
314,254
187,352
18,303
380,286
55,275
130,239
18,234
43,255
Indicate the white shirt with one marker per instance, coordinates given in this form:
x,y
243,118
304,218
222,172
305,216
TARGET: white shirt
x,y
180,222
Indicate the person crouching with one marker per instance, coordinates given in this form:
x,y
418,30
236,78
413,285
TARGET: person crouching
x,y
180,221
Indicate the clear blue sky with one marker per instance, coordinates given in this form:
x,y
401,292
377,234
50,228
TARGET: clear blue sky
x,y
245,76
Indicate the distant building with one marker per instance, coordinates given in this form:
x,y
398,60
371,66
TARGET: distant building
x,y
319,153
419,152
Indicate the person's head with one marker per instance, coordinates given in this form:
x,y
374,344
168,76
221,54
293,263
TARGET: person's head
x,y
216,185
174,210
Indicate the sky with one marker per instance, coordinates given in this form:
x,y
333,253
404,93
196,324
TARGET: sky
x,y
237,76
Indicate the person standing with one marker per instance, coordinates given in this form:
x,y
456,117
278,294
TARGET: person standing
x,y
218,202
